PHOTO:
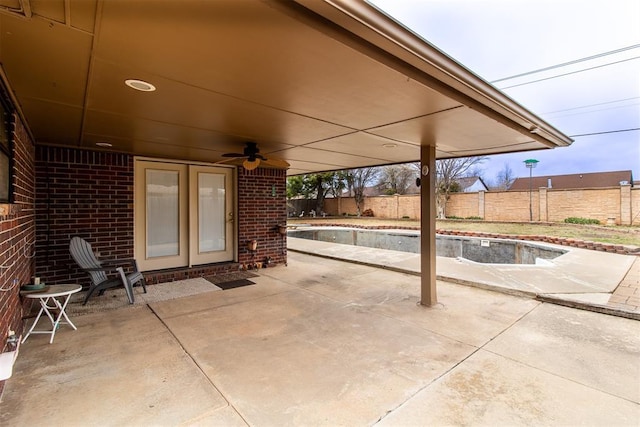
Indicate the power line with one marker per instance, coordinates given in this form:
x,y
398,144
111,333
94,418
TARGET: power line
x,y
591,105
564,64
594,111
573,72
605,132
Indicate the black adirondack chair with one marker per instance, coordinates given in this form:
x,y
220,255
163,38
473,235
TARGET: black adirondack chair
x,y
98,270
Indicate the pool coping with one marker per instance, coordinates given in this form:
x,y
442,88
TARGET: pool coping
x,y
562,241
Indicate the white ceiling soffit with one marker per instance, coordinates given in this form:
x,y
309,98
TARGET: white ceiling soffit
x,y
324,85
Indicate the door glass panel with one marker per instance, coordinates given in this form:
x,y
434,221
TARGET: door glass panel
x,y
162,213
211,212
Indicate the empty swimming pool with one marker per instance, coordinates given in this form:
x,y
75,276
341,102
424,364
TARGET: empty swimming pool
x,y
481,250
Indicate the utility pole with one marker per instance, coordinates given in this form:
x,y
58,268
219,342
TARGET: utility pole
x,y
531,164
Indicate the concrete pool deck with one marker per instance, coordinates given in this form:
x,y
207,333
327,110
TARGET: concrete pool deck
x,y
582,278
326,342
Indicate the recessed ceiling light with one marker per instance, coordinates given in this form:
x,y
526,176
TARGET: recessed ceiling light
x,y
140,85
389,145
104,144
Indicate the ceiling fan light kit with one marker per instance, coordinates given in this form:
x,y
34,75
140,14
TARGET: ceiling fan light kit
x,y
250,165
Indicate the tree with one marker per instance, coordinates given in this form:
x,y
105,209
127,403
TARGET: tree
x,y
505,178
339,183
357,181
295,186
316,185
396,179
321,184
448,172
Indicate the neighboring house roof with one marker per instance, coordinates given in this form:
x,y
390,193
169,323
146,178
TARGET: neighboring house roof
x,y
577,180
472,184
322,84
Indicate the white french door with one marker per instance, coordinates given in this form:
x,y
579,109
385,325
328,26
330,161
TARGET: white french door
x,y
184,214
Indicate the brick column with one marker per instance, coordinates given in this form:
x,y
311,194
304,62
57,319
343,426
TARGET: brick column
x,y
625,204
481,204
262,207
396,206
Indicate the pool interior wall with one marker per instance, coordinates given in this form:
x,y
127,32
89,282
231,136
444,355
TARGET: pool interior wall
x,y
487,251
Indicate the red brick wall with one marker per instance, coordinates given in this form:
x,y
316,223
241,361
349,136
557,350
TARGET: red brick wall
x,y
261,208
90,194
17,234
81,193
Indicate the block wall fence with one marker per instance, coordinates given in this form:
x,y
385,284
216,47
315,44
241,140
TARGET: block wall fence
x,y
619,205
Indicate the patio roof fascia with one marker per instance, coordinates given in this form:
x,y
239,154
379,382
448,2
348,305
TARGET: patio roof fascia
x,y
437,69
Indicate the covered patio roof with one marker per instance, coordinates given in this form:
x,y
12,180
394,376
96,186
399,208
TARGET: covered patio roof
x,y
322,84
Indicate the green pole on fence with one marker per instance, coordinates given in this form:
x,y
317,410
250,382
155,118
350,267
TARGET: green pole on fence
x,y
530,164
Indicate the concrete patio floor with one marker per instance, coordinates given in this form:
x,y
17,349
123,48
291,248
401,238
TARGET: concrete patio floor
x,y
580,278
324,342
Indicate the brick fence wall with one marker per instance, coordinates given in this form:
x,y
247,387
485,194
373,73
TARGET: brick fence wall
x,y
600,204
614,204
466,205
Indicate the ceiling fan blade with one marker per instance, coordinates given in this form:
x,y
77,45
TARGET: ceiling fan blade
x,y
277,163
231,160
234,155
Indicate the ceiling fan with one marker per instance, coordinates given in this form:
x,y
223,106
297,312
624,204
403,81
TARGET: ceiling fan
x,y
251,158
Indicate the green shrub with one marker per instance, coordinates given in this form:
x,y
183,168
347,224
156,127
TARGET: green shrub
x,y
477,218
576,220
454,217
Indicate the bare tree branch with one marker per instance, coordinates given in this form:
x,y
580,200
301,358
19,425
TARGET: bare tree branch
x,y
396,179
505,178
358,179
448,172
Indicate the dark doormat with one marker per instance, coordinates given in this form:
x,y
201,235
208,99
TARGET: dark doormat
x,y
232,280
235,284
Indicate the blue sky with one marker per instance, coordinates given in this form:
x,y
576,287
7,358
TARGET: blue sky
x,y
498,39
